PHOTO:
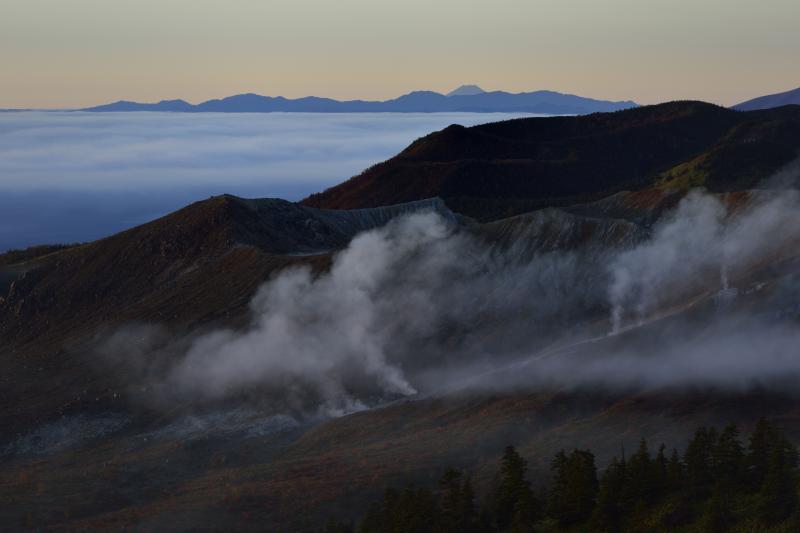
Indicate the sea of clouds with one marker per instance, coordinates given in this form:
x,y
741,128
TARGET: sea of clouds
x,y
74,176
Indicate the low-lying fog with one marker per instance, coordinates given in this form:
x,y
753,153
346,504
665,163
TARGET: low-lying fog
x,y
423,306
72,176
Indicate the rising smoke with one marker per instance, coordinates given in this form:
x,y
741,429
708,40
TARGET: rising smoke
x,y
423,305
414,298
700,246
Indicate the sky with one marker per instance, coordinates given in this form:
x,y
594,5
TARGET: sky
x,y
67,54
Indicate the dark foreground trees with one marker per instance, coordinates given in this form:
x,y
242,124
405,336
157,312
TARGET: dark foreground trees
x,y
718,484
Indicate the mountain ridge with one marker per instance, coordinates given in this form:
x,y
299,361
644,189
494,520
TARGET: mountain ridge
x,y
169,468
466,90
502,168
769,101
546,102
76,442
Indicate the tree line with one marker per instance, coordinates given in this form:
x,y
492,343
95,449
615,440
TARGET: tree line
x,y
718,484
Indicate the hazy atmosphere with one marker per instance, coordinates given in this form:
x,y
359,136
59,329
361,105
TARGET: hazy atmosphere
x,y
383,266
56,54
333,343
69,177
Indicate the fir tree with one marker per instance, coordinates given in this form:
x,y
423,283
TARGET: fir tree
x,y
714,469
513,501
607,515
729,478
758,452
555,496
641,480
412,510
728,467
576,487
718,515
660,472
526,513
675,472
457,513
417,511
468,509
698,461
777,499
728,458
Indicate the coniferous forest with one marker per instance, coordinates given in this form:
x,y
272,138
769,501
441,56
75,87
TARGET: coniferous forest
x,y
721,482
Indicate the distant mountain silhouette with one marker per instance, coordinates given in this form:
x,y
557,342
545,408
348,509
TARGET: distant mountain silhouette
x,y
467,98
163,105
770,101
466,90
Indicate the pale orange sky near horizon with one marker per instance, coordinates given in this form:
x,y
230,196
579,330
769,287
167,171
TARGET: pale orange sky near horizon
x,y
66,54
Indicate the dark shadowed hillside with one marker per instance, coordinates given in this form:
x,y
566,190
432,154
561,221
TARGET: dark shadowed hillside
x,y
178,375
495,170
197,266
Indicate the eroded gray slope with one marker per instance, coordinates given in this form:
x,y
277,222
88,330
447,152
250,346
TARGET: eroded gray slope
x,y
283,227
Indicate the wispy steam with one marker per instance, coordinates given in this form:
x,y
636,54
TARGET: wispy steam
x,y
698,248
423,304
676,260
413,298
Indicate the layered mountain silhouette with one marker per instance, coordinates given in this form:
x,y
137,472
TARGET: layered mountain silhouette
x,y
82,448
464,99
466,90
769,101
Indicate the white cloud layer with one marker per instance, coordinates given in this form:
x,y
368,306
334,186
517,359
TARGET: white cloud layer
x,y
78,176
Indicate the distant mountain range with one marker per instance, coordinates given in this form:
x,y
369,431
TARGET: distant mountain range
x,y
466,90
771,100
467,98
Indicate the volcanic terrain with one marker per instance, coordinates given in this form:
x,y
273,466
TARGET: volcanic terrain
x,y
490,330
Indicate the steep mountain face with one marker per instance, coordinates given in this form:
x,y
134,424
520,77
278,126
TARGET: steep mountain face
x,y
512,315
197,266
771,100
495,170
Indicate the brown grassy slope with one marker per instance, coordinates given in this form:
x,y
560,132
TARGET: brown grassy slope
x,y
197,266
12,257
495,170
337,468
